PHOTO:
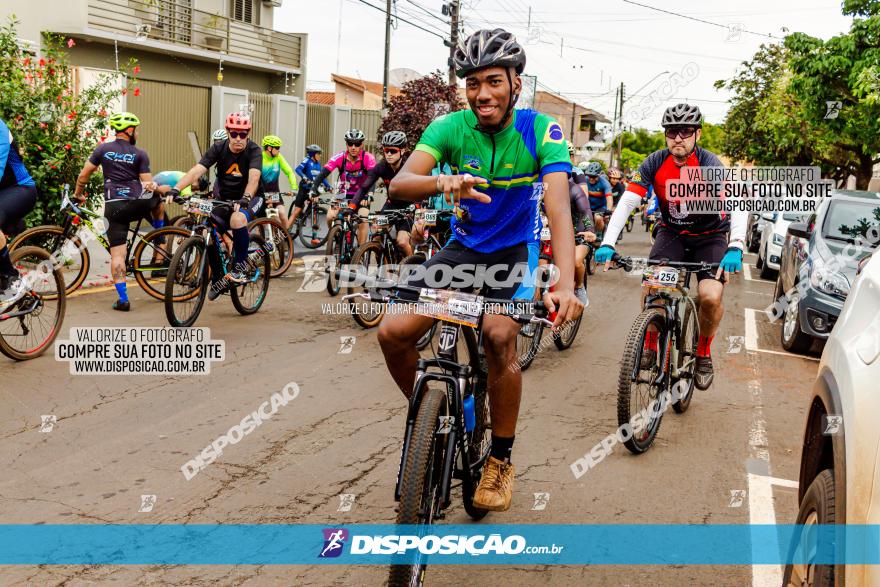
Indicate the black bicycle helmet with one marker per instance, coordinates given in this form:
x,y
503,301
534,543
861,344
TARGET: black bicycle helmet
x,y
394,138
485,48
312,149
682,115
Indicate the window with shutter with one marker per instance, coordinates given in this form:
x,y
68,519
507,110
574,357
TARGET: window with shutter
x,y
243,11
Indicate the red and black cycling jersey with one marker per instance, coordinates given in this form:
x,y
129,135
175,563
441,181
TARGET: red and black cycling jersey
x,y
660,167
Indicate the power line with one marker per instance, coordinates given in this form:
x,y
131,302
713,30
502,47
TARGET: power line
x,y
400,18
428,12
709,22
419,19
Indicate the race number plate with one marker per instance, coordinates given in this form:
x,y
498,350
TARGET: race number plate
x,y
545,233
272,197
200,207
380,220
661,277
451,306
429,217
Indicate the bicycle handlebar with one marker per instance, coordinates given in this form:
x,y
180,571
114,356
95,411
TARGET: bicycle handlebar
x,y
627,263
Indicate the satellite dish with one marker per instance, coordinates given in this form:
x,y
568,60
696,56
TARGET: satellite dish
x,y
401,75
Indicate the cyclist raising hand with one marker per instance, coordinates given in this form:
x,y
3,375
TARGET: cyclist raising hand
x,y
503,158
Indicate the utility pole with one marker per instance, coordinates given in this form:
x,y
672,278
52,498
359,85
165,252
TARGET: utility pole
x,y
454,9
387,53
613,129
571,134
620,124
529,24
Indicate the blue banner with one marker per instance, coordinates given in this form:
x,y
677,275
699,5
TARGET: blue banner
x,y
175,544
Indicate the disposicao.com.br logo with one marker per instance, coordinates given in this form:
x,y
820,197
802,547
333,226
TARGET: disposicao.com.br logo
x,y
393,544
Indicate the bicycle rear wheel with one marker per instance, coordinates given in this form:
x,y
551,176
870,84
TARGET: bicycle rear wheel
x,y
591,261
152,256
528,343
420,484
29,325
187,283
687,359
72,253
313,230
629,223
282,244
640,396
247,298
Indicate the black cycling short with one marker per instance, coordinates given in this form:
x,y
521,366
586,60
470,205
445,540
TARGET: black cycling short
x,y
15,203
673,246
511,262
301,195
222,214
121,213
401,223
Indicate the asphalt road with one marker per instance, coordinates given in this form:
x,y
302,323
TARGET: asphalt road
x,y
117,438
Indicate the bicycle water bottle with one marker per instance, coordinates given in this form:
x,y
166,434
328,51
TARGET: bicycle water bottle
x,y
468,409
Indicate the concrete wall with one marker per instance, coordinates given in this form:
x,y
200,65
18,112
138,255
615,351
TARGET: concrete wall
x,y
46,15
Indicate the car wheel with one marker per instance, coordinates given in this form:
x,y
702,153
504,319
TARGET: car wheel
x,y
817,509
759,263
752,243
794,340
766,271
778,292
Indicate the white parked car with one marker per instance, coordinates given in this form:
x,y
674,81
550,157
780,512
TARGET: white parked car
x,y
840,461
772,238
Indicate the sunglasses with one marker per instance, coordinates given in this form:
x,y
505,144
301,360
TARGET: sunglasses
x,y
354,143
391,151
684,133
237,135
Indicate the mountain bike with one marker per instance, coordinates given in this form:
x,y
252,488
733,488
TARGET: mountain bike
x,y
311,225
342,242
202,261
630,222
374,257
272,230
448,432
29,325
643,392
528,341
146,255
426,249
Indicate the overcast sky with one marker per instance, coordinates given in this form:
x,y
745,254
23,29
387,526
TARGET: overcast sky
x,y
604,43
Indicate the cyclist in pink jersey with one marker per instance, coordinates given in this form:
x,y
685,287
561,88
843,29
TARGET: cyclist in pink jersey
x,y
352,165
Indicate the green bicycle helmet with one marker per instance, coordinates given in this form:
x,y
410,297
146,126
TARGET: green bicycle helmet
x,y
271,141
123,120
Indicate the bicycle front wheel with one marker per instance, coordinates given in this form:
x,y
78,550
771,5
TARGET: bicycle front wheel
x,y
152,257
30,324
687,359
420,483
71,253
334,258
313,232
637,390
187,283
367,261
528,343
248,297
273,233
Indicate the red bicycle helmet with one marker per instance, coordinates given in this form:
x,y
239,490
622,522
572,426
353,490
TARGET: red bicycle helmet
x,y
238,121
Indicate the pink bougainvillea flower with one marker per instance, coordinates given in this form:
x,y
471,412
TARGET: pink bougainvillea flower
x,y
39,148
124,91
43,125
137,91
42,63
72,115
70,43
67,146
102,112
136,70
26,61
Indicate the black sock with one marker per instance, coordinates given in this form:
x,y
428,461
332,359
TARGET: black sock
x,y
6,267
501,448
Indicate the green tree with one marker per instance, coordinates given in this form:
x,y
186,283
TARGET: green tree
x,y
630,160
55,127
421,101
643,141
712,137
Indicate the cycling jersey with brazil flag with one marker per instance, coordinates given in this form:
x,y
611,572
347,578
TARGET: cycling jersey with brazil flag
x,y
513,161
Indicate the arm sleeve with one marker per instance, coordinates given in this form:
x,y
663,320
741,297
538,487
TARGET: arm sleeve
x,y
300,169
738,222
433,140
211,155
5,145
627,204
94,158
286,170
372,175
322,177
551,150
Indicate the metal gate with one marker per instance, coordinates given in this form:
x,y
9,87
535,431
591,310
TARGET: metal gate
x,y
168,112
318,117
368,121
261,117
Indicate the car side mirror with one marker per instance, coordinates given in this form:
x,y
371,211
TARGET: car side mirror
x,y
799,229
